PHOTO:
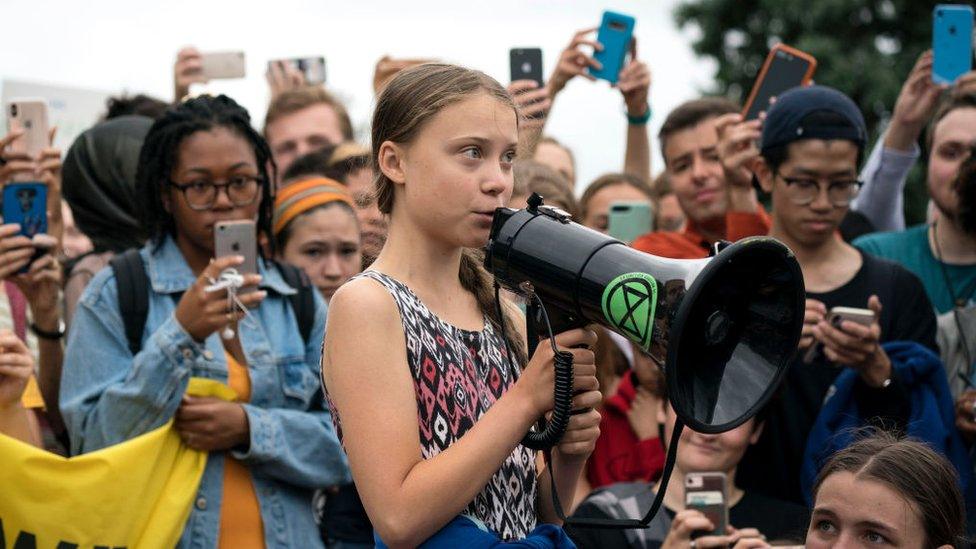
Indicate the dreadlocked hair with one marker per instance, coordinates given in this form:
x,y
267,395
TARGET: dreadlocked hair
x,y
158,157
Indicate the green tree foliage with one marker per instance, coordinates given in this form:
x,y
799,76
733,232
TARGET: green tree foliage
x,y
864,48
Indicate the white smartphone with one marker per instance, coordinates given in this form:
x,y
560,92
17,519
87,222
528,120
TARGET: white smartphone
x,y
28,114
238,238
222,65
864,317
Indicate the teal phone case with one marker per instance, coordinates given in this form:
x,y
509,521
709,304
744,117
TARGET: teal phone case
x,y
629,220
952,42
616,32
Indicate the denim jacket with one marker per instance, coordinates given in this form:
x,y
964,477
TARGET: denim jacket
x,y
108,396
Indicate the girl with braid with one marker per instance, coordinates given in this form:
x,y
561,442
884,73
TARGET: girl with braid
x,y
431,399
203,163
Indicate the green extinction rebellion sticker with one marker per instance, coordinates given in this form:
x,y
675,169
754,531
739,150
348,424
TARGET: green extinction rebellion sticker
x,y
629,302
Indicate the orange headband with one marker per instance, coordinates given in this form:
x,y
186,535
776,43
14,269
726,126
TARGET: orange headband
x,y
298,198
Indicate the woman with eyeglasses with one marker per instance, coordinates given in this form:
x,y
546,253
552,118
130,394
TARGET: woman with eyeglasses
x,y
201,164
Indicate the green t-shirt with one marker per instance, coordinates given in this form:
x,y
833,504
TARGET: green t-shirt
x,y
911,249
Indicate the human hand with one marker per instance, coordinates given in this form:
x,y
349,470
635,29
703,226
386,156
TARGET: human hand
x,y
574,62
642,415
202,313
634,83
188,69
689,521
965,85
15,250
857,346
537,379
210,424
532,103
387,68
41,284
16,367
283,76
916,103
813,314
737,148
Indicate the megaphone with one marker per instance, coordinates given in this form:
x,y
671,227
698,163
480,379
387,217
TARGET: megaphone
x,y
724,328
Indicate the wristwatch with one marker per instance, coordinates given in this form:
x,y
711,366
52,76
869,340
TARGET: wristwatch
x,y
44,334
640,120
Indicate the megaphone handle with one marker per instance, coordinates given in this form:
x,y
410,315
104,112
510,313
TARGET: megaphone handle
x,y
552,431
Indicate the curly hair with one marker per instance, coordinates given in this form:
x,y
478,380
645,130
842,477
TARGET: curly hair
x,y
159,156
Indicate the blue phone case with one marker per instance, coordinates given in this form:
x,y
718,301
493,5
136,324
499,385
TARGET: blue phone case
x,y
952,42
616,32
26,204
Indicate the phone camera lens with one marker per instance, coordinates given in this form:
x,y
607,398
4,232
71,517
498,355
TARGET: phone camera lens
x,y
526,67
952,30
13,110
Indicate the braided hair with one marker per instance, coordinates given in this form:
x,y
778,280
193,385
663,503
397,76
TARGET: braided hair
x,y
158,157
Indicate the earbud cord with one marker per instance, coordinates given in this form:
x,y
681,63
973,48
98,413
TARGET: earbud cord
x,y
955,306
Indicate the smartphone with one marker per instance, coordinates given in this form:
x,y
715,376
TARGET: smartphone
x,y
222,65
616,33
952,42
238,238
835,316
26,205
706,492
30,116
785,68
526,64
313,68
864,317
629,220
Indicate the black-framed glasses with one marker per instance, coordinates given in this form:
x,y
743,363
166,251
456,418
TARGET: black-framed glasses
x,y
804,190
201,194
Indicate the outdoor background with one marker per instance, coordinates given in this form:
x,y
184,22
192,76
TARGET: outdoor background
x,y
865,47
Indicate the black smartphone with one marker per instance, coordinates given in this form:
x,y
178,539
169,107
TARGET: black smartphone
x,y
785,68
526,64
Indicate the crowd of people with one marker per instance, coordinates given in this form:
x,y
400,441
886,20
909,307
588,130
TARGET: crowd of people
x,y
381,396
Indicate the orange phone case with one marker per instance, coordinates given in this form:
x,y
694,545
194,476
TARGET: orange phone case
x,y
769,61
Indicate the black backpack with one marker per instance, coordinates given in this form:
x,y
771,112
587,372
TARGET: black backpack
x,y
133,287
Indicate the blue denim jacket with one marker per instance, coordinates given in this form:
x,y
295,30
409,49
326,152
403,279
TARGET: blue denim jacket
x,y
108,396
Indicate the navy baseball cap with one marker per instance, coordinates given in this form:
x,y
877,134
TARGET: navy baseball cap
x,y
813,112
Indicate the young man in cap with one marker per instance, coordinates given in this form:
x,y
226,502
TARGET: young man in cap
x,y
812,142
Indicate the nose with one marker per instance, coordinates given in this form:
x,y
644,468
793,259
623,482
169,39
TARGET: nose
x,y
331,267
497,180
222,200
821,202
699,171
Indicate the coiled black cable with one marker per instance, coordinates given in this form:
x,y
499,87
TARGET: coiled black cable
x,y
554,429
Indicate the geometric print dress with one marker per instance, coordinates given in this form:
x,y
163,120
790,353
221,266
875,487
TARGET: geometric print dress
x,y
458,374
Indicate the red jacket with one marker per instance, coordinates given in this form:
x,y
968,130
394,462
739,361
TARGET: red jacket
x,y
618,455
688,244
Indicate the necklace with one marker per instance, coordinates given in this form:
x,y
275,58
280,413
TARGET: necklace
x,y
957,303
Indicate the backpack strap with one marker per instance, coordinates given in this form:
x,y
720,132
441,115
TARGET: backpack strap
x,y
132,283
303,300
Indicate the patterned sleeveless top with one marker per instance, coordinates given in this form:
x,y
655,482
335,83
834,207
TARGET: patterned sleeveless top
x,y
458,374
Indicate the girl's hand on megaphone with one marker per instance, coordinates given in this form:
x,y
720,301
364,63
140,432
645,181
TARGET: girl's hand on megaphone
x,y
538,377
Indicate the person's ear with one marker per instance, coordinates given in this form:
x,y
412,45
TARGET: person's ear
x,y
391,161
662,411
763,173
165,198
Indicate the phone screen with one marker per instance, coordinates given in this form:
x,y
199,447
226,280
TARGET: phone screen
x,y
786,71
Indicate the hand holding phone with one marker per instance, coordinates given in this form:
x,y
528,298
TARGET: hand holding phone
x,y
223,65
238,238
785,68
615,35
952,42
707,493
187,70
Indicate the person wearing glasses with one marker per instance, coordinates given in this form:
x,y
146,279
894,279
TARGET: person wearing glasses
x,y
203,163
812,142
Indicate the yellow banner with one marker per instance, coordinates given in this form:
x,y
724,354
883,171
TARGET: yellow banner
x,y
134,494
